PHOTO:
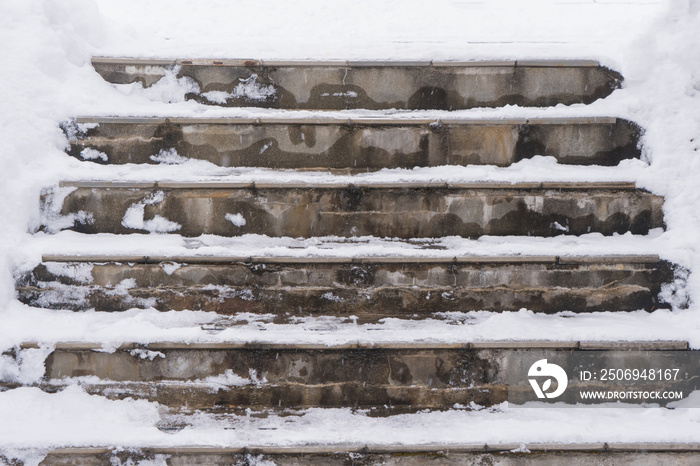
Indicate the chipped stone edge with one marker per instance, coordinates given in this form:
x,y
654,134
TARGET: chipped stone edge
x,y
399,448
547,259
583,185
363,120
422,345
214,62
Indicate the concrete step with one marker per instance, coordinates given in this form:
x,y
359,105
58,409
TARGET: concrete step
x,y
370,288
400,210
352,143
419,375
503,454
337,85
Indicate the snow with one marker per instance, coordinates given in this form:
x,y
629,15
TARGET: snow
x,y
171,267
134,216
168,89
81,273
169,157
91,154
47,80
72,414
236,219
249,89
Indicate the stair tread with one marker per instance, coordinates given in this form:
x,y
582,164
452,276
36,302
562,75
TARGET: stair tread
x,y
403,447
599,345
288,117
220,184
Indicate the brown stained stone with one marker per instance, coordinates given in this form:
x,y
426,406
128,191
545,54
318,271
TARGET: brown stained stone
x,y
381,212
342,145
443,455
368,291
294,377
384,86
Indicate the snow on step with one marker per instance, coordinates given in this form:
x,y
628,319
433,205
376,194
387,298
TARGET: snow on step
x,y
354,143
402,210
369,288
334,85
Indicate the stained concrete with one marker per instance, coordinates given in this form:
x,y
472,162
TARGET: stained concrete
x,y
361,456
399,211
357,145
292,376
375,85
370,289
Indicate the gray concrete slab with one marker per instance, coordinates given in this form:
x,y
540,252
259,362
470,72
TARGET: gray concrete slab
x,y
352,210
366,287
355,143
341,84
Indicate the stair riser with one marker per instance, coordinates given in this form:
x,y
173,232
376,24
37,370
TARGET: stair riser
x,y
382,87
293,377
413,458
360,146
381,212
369,291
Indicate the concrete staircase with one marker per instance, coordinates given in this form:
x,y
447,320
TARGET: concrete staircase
x,y
387,377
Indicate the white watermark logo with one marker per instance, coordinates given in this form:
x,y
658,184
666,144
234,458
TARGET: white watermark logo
x,y
543,369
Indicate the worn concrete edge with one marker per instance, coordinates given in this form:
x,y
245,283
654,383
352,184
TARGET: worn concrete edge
x,y
363,120
579,185
395,448
413,345
156,259
344,63
640,345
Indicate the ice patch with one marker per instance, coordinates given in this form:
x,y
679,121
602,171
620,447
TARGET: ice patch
x,y
148,69
521,449
250,89
54,293
169,88
124,286
558,226
84,127
170,267
258,460
217,97
146,354
25,366
134,216
331,297
676,293
169,157
226,292
51,216
236,219
229,379
80,272
158,460
91,154
351,94
122,290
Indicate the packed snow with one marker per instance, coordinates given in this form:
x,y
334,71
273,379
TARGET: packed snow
x,y
47,79
134,216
